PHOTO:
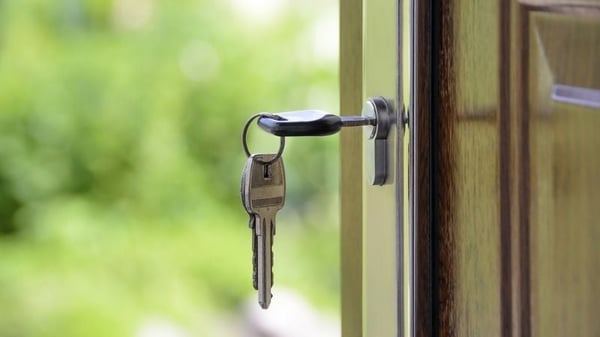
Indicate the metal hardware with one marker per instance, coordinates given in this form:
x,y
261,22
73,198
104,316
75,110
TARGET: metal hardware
x,y
303,123
245,141
576,95
377,160
377,115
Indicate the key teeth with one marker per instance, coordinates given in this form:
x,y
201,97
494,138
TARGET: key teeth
x,y
272,264
254,260
255,275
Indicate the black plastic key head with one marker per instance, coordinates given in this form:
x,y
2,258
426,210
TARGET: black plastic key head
x,y
302,123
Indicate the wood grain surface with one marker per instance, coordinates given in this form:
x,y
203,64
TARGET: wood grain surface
x,y
506,190
564,159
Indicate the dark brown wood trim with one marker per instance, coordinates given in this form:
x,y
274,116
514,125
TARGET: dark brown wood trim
x,y
420,168
444,116
524,172
504,116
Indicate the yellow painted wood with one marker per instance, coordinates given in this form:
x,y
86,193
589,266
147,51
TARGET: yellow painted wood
x,y
351,168
380,74
564,143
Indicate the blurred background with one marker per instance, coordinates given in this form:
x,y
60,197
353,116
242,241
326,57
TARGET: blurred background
x,y
120,166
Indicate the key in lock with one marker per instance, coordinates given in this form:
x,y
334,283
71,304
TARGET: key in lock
x,y
378,116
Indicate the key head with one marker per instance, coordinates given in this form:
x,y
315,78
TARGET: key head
x,y
244,190
265,186
302,123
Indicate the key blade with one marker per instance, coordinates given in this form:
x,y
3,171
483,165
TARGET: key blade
x,y
265,263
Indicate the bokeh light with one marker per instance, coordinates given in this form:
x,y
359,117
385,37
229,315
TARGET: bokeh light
x,y
120,165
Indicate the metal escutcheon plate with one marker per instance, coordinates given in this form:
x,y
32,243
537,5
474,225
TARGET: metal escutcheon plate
x,y
377,152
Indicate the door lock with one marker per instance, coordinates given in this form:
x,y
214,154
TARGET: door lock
x,y
377,114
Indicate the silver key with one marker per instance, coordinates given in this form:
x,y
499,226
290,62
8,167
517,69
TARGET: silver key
x,y
265,197
251,223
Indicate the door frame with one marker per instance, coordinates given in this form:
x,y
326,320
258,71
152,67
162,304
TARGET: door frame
x,y
351,187
373,51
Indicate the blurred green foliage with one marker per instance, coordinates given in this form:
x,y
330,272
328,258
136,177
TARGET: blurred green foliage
x,y
120,161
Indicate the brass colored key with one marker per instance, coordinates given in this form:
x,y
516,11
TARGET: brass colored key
x,y
265,196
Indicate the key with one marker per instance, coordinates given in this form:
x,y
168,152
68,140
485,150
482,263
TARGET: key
x,y
310,123
251,222
265,197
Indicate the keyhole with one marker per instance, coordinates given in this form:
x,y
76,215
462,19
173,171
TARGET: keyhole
x,y
267,172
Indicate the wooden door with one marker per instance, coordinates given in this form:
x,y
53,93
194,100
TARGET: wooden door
x,y
506,162
503,162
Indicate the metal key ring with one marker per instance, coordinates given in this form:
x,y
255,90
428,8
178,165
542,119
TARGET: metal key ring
x,y
245,143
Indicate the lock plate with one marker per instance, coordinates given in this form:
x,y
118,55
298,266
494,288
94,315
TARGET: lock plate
x,y
377,158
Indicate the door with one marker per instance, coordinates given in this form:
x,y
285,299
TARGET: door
x,y
506,160
497,223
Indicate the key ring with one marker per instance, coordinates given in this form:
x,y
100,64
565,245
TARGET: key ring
x,y
245,133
